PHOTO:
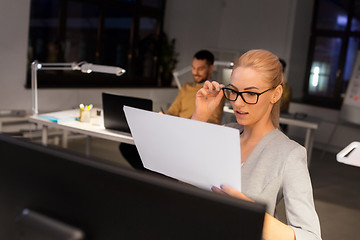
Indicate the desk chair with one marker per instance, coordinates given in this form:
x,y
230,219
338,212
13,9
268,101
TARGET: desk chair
x,y
132,156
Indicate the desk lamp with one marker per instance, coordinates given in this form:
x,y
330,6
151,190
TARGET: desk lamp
x,y
187,69
81,66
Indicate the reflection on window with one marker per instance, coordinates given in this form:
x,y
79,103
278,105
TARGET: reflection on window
x,y
147,47
341,21
324,68
116,38
331,16
319,78
44,25
123,33
334,46
81,32
355,24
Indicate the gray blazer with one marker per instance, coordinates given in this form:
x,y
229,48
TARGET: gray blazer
x,y
277,169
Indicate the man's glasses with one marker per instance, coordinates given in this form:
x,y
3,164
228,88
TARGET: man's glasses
x,y
247,96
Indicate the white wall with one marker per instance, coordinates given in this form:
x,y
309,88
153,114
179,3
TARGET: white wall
x,y
257,24
13,46
194,24
281,26
296,70
230,25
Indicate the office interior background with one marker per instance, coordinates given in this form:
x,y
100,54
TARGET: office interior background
x,y
228,28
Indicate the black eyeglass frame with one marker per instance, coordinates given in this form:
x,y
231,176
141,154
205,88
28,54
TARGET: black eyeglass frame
x,y
241,94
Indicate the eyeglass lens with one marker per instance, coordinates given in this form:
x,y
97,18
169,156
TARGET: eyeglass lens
x,y
248,97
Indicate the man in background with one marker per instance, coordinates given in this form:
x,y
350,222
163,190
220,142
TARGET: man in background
x,y
184,103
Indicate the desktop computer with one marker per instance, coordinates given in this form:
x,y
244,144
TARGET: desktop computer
x,y
51,192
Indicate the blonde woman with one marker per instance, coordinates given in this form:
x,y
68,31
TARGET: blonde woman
x,y
273,166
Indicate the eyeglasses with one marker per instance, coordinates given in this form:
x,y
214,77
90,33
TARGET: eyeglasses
x,y
247,96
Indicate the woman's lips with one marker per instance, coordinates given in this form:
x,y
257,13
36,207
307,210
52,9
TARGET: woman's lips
x,y
241,113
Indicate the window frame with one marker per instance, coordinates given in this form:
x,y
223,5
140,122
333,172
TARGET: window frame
x,y
76,79
345,35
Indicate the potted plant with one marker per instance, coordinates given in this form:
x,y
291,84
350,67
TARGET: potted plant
x,y
167,60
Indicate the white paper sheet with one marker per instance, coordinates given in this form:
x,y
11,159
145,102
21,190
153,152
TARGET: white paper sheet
x,y
198,153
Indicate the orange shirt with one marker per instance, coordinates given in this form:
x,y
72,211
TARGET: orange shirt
x,y
184,104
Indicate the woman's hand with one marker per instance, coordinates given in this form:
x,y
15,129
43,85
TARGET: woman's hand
x,y
273,228
231,192
207,99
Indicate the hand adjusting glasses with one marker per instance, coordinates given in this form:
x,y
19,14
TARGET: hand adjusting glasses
x,y
247,96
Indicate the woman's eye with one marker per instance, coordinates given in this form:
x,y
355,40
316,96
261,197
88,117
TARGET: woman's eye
x,y
251,93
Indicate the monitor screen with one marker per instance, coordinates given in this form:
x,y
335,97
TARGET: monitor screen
x,y
109,202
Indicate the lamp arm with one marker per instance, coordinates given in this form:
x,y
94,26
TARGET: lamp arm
x,y
81,66
34,93
183,71
176,75
187,69
177,80
224,64
89,67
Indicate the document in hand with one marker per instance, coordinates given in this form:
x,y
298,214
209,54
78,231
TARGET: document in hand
x,y
198,153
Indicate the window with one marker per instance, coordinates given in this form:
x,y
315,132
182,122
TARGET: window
x,y
334,44
124,33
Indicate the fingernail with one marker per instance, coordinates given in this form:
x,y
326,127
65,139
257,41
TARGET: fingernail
x,y
218,89
215,189
210,89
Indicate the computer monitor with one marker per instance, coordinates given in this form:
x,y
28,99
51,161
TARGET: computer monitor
x,y
31,225
105,201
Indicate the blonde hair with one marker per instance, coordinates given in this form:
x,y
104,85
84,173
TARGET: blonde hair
x,y
267,64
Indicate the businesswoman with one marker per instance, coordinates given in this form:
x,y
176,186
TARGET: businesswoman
x,y
273,166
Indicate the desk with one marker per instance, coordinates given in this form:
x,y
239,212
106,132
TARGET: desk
x,y
95,128
310,123
12,120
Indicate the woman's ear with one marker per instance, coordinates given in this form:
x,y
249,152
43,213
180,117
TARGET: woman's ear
x,y
277,94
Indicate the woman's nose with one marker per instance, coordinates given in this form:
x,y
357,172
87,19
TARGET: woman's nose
x,y
239,101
